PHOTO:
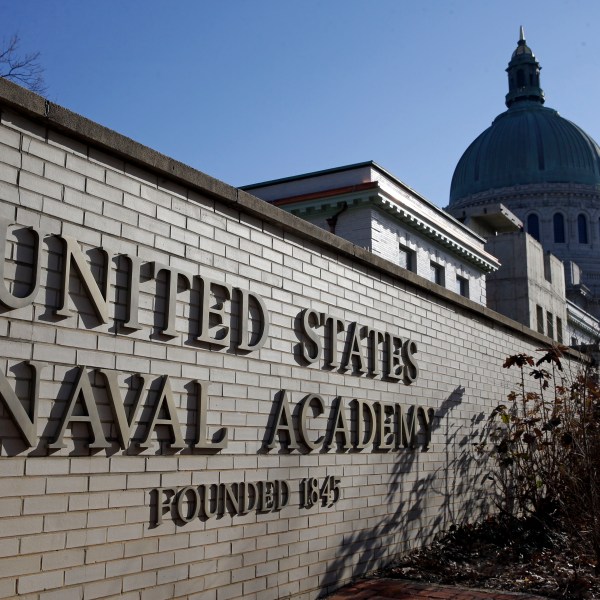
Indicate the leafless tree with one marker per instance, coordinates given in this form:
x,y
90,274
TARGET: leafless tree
x,y
22,69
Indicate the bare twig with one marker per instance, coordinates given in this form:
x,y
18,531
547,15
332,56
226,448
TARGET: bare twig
x,y
22,69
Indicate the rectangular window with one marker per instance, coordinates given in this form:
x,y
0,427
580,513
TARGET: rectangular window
x,y
550,324
462,284
437,273
408,258
539,313
548,267
559,330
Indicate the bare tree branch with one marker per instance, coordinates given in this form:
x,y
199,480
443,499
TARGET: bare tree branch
x,y
24,70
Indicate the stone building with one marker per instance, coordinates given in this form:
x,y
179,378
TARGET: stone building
x,y
530,285
545,170
371,208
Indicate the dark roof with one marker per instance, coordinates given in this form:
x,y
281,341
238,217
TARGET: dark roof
x,y
527,144
366,163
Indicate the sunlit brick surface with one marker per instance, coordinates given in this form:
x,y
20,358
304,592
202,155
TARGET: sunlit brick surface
x,y
79,522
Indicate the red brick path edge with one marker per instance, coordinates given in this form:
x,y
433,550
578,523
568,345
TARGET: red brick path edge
x,y
400,589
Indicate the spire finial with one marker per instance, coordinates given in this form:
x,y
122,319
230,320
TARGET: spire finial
x,y
523,74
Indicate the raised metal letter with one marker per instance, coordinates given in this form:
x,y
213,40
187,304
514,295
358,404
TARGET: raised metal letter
x,y
361,442
171,308
83,390
411,367
283,422
165,398
217,314
202,442
133,292
263,330
74,256
353,349
26,425
306,403
124,425
312,335
6,297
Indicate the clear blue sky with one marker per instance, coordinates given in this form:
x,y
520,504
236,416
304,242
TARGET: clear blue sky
x,y
250,90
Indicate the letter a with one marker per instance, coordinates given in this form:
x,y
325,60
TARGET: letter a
x,y
82,390
283,422
165,398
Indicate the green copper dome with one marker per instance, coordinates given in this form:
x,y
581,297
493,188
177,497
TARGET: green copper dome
x,y
528,143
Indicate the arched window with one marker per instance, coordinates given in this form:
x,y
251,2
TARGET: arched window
x,y
559,229
533,226
582,231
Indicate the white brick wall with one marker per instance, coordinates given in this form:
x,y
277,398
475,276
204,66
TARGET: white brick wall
x,y
77,523
371,229
387,237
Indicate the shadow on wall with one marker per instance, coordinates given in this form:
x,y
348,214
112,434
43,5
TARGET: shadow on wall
x,y
415,492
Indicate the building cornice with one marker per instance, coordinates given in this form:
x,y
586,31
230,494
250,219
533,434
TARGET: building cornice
x,y
581,319
350,189
354,196
527,192
484,261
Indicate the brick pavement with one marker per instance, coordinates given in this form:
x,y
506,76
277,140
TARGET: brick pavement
x,y
399,589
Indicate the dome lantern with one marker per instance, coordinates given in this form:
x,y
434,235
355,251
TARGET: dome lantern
x,y
523,75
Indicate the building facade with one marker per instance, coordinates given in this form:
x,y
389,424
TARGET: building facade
x,y
366,205
545,170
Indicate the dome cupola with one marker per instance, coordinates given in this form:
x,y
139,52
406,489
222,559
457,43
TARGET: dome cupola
x,y
523,75
527,144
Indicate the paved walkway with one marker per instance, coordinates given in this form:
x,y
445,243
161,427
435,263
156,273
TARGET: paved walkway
x,y
401,589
